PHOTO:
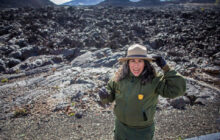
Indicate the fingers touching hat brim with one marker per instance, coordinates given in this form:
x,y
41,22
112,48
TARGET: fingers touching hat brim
x,y
128,58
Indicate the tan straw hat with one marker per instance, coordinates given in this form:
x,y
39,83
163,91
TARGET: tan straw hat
x,y
136,51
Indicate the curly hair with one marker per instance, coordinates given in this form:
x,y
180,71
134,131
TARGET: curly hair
x,y
147,75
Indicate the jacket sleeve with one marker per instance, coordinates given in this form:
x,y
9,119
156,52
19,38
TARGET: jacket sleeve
x,y
171,85
111,86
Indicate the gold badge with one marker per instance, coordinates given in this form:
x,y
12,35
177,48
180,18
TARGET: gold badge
x,y
140,96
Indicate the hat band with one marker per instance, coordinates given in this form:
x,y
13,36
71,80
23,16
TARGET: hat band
x,y
137,56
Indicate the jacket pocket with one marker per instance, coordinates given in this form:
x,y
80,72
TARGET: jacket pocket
x,y
150,112
144,116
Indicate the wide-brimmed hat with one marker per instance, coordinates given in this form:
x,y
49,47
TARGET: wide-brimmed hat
x,y
136,51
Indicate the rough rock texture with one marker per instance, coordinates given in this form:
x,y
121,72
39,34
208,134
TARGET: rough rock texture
x,y
24,3
54,60
130,3
189,37
145,2
115,3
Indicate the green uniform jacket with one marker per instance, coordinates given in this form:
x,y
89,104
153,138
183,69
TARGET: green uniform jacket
x,y
137,112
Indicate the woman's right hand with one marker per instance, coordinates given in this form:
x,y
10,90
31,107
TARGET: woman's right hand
x,y
103,93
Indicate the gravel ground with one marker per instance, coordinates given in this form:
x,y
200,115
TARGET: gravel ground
x,y
98,123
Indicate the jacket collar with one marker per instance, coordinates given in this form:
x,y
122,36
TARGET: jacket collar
x,y
132,77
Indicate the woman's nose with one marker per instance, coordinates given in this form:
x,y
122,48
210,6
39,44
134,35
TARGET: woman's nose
x,y
136,64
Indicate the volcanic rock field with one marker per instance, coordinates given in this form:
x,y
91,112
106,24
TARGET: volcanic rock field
x,y
53,60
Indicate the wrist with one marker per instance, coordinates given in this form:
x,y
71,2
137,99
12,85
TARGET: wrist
x,y
163,63
166,68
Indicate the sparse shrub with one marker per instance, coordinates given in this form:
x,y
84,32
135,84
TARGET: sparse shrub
x,y
53,69
17,71
73,104
5,80
202,9
20,112
56,87
72,114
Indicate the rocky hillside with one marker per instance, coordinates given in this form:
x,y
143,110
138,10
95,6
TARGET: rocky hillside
x,y
189,38
150,2
115,2
145,3
24,3
53,61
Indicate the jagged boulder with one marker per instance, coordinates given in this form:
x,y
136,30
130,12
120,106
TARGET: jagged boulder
x,y
144,2
24,3
27,52
100,58
2,66
115,2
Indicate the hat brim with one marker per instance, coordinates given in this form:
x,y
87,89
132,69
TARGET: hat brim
x,y
129,58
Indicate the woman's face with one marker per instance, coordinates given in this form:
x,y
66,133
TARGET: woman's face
x,y
136,66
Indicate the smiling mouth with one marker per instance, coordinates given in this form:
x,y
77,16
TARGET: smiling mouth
x,y
136,71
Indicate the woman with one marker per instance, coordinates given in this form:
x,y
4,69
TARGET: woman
x,y
135,89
